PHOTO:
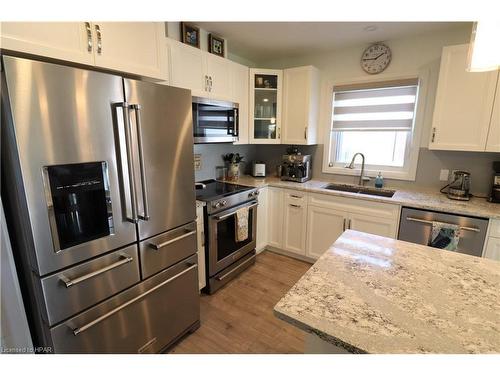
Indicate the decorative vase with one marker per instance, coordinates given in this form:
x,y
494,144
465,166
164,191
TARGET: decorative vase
x,y
233,172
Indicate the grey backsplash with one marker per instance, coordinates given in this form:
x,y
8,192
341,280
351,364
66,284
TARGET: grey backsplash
x,y
429,164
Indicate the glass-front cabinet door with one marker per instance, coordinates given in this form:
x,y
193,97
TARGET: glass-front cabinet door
x,y
265,111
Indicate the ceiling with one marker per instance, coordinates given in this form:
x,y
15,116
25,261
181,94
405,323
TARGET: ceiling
x,y
257,41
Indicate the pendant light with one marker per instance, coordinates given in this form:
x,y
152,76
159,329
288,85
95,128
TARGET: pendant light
x,y
484,48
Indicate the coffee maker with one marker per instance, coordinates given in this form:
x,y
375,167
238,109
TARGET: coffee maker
x,y
495,189
295,166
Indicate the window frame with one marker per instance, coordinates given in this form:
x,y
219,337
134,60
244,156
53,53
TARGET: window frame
x,y
409,170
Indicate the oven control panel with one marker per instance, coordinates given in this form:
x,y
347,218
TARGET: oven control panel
x,y
219,204
231,200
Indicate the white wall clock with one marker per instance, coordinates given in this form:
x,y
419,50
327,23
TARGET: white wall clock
x,y
376,58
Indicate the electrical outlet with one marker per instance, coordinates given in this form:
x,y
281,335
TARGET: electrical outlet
x,y
443,175
197,162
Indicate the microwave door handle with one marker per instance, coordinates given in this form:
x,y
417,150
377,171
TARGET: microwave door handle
x,y
236,123
137,110
130,165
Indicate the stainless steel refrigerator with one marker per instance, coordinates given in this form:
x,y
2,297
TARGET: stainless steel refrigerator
x,y
98,184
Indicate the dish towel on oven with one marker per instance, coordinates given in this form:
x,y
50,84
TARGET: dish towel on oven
x,y
241,224
444,236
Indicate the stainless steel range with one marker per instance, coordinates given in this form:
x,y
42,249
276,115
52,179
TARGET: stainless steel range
x,y
226,254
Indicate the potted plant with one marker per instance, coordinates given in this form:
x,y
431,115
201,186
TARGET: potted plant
x,y
233,161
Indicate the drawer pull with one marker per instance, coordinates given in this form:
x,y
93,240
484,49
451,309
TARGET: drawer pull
x,y
471,229
83,328
295,205
296,196
68,282
166,243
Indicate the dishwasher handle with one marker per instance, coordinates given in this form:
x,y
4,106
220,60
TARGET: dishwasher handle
x,y
471,229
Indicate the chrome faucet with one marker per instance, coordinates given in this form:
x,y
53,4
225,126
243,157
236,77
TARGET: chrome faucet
x,y
362,177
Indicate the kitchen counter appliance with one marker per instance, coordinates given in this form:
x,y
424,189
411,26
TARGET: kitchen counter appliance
x,y
105,236
214,121
258,169
296,167
416,226
225,256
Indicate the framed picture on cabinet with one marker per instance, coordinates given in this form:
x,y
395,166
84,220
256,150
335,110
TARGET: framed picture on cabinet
x,y
190,34
216,45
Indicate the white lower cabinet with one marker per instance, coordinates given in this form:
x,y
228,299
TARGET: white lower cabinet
x,y
386,227
295,222
307,224
324,227
492,250
262,220
275,202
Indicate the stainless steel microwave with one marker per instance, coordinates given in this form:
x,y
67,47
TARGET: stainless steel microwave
x,y
214,121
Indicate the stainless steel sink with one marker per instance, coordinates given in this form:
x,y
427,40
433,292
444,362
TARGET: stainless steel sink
x,y
361,190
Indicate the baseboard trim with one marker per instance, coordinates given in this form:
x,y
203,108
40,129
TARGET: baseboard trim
x,y
290,254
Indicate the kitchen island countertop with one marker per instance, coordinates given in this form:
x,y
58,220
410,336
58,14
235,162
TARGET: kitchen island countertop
x,y
371,294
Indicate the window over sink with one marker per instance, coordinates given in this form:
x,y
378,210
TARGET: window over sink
x,y
378,120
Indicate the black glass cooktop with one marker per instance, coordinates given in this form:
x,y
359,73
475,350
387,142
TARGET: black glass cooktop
x,y
217,189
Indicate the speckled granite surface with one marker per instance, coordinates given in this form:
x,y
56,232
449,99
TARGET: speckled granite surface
x,y
418,198
371,294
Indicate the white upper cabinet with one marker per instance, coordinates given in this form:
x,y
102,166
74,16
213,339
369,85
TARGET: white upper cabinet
x,y
70,41
132,47
187,68
265,106
300,105
464,104
493,142
240,95
219,71
205,74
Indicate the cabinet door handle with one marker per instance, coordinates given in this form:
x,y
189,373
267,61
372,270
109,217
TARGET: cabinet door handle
x,y
433,135
210,83
349,224
206,83
305,133
343,226
99,39
279,133
89,36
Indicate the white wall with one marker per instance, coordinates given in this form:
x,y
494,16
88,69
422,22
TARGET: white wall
x,y
410,56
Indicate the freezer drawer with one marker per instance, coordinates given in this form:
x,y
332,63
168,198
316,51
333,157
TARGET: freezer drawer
x,y
68,292
160,252
145,318
416,226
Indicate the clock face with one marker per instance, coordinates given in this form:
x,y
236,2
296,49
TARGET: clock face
x,y
376,58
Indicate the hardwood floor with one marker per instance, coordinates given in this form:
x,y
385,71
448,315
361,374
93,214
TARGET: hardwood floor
x,y
239,317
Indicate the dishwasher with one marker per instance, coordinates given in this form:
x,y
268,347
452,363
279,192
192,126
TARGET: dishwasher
x,y
416,226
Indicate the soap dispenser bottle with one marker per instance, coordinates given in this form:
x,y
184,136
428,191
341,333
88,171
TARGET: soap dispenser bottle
x,y
379,181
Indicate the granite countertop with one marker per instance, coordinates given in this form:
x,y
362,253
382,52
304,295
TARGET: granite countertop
x,y
416,197
371,294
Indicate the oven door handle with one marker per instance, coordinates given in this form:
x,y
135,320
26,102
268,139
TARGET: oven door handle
x,y
219,218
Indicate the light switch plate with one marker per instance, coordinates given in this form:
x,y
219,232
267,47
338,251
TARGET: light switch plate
x,y
197,162
443,175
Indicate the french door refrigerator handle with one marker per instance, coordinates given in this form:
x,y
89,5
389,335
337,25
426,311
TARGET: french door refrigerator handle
x,y
137,110
130,161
